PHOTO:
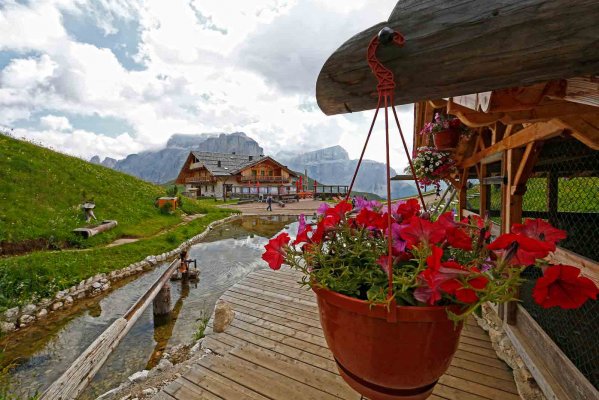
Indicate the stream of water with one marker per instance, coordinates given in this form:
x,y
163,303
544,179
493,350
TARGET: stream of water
x,y
228,253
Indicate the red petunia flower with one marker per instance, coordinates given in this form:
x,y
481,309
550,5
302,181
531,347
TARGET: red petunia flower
x,y
275,251
561,286
458,238
528,251
465,292
420,230
303,235
434,260
371,219
408,209
338,212
447,220
435,276
539,230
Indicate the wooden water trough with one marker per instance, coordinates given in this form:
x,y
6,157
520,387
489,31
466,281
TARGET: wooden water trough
x,y
74,380
95,229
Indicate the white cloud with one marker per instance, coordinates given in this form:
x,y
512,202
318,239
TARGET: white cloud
x,y
82,143
30,27
55,122
211,66
27,73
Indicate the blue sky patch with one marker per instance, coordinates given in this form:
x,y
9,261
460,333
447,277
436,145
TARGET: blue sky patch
x,y
124,44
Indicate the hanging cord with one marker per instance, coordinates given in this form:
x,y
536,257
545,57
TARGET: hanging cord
x,y
405,146
353,179
386,88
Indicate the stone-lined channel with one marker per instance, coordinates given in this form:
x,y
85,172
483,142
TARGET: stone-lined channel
x,y
227,254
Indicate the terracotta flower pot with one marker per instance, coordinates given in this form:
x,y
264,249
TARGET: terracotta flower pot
x,y
447,139
387,360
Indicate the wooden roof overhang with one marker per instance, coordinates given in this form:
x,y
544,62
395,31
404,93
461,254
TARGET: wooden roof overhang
x,y
186,168
264,159
455,48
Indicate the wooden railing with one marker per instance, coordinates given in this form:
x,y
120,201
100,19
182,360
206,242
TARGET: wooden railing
x,y
195,165
264,178
200,180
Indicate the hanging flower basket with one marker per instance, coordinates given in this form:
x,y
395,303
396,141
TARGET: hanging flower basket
x,y
432,165
446,139
446,132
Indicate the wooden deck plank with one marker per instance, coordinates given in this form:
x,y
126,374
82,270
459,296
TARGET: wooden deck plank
x,y
275,327
223,390
261,380
274,349
290,323
268,306
483,379
476,388
239,338
500,373
183,389
281,298
298,370
199,372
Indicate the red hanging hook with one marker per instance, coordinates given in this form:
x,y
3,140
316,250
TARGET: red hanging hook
x,y
386,90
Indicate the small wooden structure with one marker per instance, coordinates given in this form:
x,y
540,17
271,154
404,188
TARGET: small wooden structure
x,y
275,349
522,75
173,201
93,230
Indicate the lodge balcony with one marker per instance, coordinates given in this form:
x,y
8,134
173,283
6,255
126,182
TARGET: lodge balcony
x,y
195,165
200,180
264,179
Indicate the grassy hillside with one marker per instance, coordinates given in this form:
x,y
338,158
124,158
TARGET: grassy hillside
x,y
40,194
42,191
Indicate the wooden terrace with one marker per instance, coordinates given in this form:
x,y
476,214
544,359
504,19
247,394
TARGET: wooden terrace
x,y
275,349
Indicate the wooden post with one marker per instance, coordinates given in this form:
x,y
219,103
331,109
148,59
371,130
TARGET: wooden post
x,y
513,212
552,203
462,193
483,191
162,301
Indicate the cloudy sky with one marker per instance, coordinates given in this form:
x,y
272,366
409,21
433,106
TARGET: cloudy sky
x,y
114,77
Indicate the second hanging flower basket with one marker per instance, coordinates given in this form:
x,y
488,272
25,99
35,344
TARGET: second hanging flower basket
x,y
446,132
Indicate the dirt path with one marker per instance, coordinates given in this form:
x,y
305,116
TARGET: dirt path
x,y
185,220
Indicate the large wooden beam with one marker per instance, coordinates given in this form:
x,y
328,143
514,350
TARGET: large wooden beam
x,y
456,48
534,132
584,128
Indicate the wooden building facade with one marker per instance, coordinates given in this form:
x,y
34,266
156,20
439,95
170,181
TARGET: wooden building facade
x,y
523,76
221,175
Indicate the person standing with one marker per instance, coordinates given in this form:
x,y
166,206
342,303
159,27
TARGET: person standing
x,y
269,202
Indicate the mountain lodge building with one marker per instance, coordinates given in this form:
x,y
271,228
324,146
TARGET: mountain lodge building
x,y
224,175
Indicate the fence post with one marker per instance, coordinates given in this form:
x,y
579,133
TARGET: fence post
x,y
552,199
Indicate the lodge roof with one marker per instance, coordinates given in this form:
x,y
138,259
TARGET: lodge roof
x,y
229,162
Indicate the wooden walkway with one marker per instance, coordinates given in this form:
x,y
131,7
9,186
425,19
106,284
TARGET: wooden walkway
x,y
275,349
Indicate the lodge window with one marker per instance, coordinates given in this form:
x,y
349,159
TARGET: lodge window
x,y
270,173
262,173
